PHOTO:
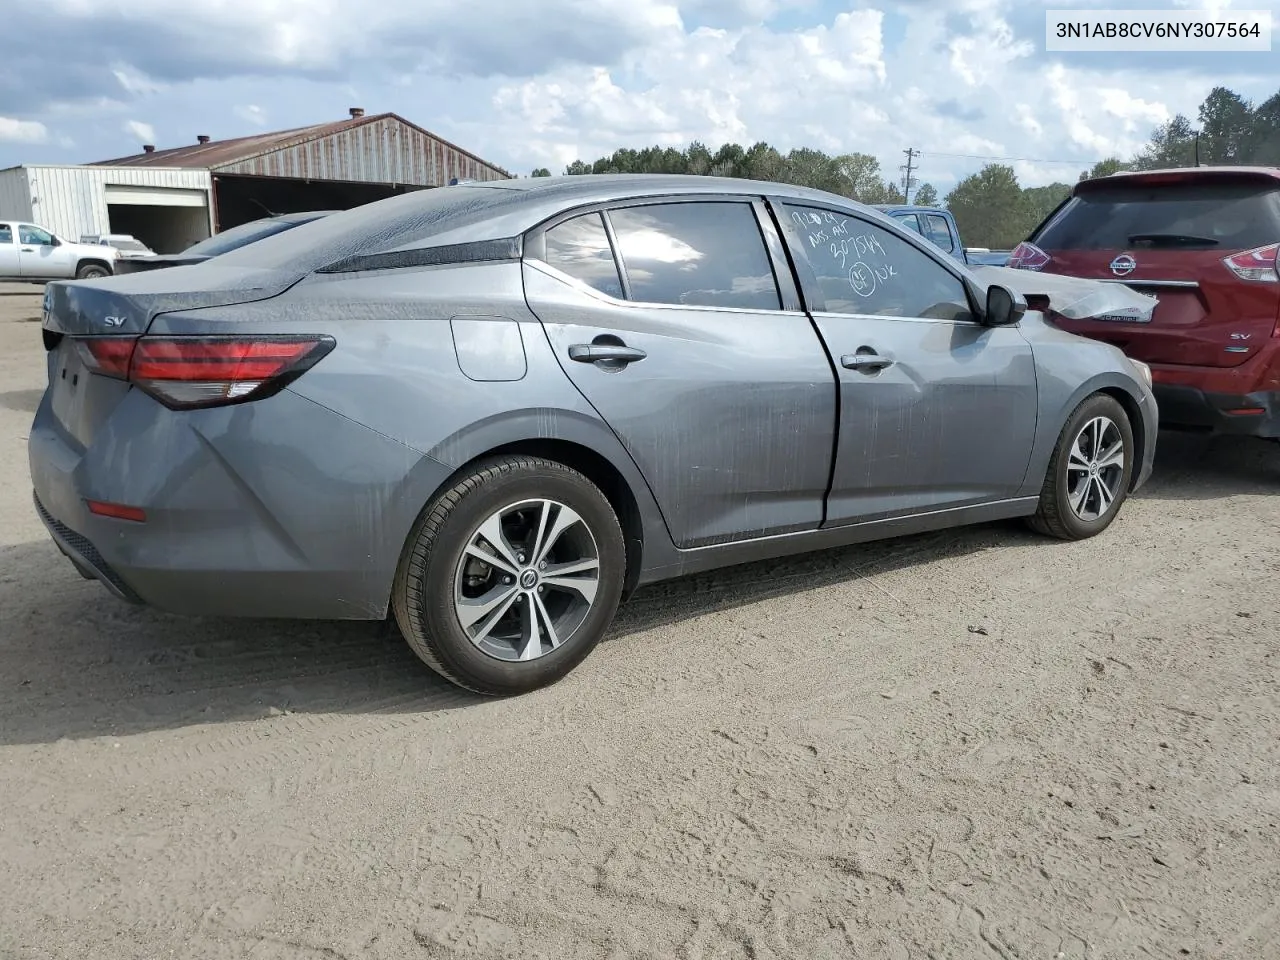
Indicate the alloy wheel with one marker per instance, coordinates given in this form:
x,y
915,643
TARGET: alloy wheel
x,y
1095,468
527,579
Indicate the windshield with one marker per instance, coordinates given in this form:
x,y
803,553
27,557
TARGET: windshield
x,y
237,237
1120,216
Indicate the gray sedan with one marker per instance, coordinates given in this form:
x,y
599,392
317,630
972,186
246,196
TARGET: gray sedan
x,y
493,410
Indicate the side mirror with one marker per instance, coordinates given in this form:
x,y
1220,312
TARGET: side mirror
x,y
54,242
1004,307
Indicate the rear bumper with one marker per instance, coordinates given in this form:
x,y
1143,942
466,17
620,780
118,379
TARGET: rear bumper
x,y
1243,400
277,509
1246,415
84,556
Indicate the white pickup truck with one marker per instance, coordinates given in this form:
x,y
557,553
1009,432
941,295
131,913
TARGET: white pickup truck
x,y
31,253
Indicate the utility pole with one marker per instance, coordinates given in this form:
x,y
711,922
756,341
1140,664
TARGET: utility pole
x,y
908,181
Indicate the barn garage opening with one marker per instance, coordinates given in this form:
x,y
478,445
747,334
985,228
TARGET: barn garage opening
x,y
239,199
167,220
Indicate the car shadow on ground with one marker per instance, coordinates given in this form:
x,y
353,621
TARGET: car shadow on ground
x,y
23,401
76,663
1191,466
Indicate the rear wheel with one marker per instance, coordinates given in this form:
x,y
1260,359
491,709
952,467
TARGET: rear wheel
x,y
511,577
92,271
1089,473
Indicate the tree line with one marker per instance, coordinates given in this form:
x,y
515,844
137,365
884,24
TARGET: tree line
x,y
991,208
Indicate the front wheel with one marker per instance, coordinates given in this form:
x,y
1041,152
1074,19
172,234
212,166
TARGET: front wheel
x,y
1090,471
511,577
92,271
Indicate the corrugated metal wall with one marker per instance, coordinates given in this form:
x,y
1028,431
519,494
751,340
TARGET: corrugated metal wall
x,y
15,199
385,151
72,202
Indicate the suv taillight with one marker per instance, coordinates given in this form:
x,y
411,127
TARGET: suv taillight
x,y
1027,256
1257,264
190,372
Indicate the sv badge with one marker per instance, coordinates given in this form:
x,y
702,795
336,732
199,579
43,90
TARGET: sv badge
x,y
114,321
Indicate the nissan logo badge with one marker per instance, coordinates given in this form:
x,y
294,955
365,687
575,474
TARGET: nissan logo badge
x,y
1123,265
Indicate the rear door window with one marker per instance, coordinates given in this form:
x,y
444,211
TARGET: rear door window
x,y
864,269
909,220
701,253
938,231
6,233
1120,216
580,247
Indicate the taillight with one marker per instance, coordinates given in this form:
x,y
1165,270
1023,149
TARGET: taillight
x,y
1027,256
109,356
1257,264
187,372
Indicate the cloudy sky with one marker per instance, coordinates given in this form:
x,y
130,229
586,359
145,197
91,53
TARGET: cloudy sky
x,y
528,83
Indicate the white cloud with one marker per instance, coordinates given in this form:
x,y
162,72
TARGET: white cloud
x,y
142,132
22,131
219,38
1027,120
716,86
989,50
252,113
133,81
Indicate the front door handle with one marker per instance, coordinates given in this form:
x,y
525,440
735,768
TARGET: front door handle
x,y
865,361
607,352
28,250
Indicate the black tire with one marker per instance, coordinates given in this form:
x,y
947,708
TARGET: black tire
x,y
92,271
423,595
1055,516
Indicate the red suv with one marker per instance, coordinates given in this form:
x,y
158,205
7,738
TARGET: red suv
x,y
1204,242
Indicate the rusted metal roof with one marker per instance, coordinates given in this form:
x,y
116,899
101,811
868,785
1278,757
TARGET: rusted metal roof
x,y
383,148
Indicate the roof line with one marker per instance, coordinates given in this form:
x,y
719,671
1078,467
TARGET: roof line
x,y
451,145
318,132
101,166
313,132
187,149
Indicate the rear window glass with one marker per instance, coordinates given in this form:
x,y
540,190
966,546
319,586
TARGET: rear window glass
x,y
1226,216
377,227
237,237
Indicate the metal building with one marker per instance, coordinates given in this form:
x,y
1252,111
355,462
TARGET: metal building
x,y
74,201
171,198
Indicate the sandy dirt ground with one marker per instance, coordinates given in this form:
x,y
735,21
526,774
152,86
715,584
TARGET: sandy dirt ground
x,y
966,745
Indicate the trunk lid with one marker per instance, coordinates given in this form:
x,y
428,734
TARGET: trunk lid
x,y
127,304
124,307
1168,237
142,264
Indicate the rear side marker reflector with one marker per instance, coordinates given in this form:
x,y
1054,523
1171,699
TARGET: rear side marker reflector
x,y
192,372
1245,411
117,511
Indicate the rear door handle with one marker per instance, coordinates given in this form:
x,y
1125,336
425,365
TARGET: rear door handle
x,y
596,352
865,361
